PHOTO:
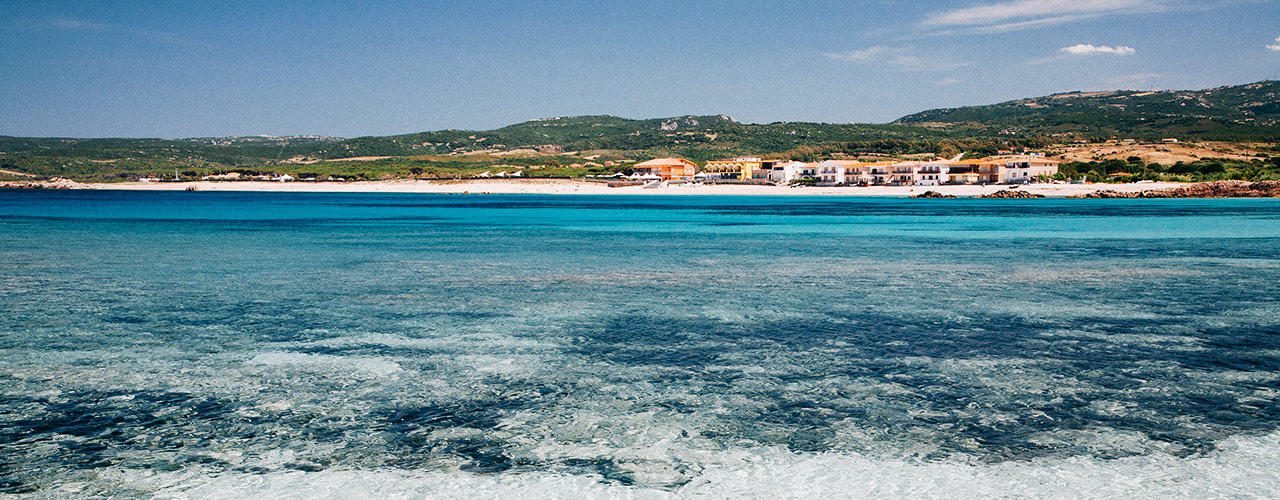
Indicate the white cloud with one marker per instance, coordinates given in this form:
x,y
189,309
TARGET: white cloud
x,y
1087,49
901,59
1024,14
1275,47
946,82
1083,49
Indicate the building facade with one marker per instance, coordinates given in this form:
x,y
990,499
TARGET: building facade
x,y
668,168
740,168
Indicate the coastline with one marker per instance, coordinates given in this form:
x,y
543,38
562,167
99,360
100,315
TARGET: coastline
x,y
569,187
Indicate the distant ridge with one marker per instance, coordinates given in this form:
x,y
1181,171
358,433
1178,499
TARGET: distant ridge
x,y
1238,113
1214,113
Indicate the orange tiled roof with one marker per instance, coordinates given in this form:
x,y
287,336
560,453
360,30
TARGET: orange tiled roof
x,y
665,162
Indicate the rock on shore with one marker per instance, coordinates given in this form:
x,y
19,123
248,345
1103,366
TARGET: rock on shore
x,y
53,183
1010,193
933,194
1216,189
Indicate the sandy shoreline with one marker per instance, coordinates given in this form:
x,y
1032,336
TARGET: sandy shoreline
x,y
567,187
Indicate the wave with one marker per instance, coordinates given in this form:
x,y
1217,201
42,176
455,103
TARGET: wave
x,y
1242,467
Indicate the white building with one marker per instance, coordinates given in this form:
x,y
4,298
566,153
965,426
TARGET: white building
x,y
787,172
1024,169
932,173
837,172
1016,169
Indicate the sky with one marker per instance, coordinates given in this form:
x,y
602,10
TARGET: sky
x,y
172,69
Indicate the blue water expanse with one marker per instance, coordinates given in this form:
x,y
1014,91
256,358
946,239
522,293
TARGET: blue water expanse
x,y
237,345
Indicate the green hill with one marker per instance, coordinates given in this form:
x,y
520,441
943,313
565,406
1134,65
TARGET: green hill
x,y
697,137
1238,112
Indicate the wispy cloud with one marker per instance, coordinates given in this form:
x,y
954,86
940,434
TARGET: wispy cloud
x,y
1134,81
1022,25
1275,47
902,59
77,24
80,26
858,55
1088,49
1033,9
1026,14
947,82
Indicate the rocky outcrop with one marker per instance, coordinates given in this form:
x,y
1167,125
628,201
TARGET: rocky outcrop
x,y
1010,193
53,183
933,194
1216,189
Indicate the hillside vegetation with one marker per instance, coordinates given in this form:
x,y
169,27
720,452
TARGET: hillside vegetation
x,y
1235,113
582,145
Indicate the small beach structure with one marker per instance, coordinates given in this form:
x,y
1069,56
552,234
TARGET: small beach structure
x,y
668,168
652,180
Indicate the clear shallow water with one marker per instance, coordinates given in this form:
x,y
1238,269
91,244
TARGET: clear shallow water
x,y
224,345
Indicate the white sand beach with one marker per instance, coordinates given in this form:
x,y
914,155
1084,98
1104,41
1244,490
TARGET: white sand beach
x,y
568,187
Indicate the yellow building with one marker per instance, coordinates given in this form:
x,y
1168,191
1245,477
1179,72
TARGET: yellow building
x,y
737,168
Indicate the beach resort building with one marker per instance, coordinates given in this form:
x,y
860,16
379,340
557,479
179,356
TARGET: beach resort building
x,y
998,169
1019,169
835,172
668,168
1009,169
1024,169
740,168
791,171
962,173
845,172
972,171
932,174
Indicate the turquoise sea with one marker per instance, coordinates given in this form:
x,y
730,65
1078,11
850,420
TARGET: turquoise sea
x,y
289,345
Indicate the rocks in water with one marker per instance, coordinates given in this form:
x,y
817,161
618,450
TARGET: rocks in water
x,y
1010,193
1216,189
933,194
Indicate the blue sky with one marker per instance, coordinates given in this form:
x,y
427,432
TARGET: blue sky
x,y
186,69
